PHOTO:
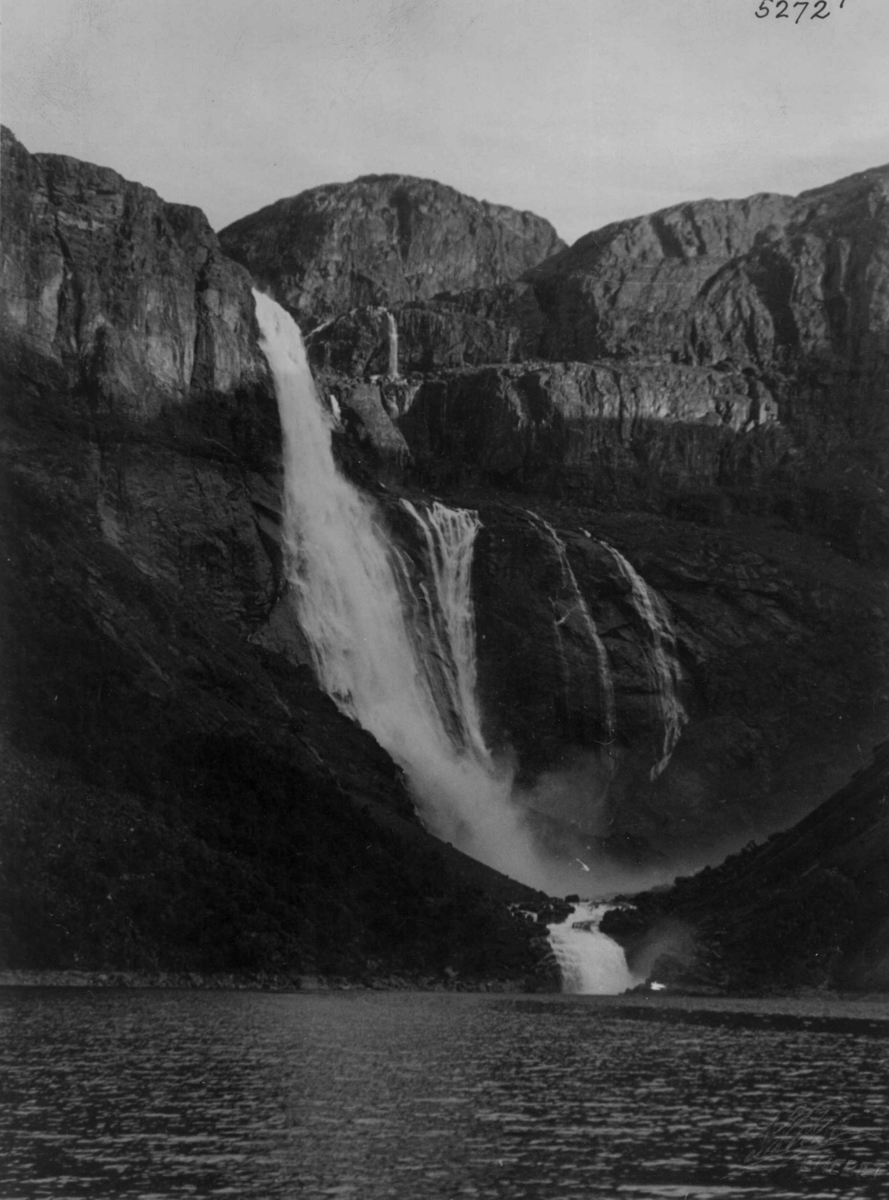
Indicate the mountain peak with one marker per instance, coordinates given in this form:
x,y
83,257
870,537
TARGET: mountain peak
x,y
384,239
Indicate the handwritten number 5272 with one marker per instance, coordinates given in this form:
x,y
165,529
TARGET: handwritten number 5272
x,y
821,13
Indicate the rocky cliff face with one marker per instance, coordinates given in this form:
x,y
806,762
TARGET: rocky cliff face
x,y
793,289
613,432
768,281
118,295
383,239
125,327
785,298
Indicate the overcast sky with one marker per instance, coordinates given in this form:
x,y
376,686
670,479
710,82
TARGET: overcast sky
x,y
584,111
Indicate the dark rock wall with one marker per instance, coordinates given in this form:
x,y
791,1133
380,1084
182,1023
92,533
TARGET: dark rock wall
x,y
617,433
383,239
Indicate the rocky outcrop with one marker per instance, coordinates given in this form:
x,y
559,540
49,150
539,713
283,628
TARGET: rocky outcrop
x,y
383,239
122,298
616,433
771,281
809,908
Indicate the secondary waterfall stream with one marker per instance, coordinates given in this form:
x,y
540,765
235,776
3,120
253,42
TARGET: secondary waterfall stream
x,y
394,650
449,535
573,609
660,659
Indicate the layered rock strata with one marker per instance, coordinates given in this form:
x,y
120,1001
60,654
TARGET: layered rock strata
x,y
605,431
788,292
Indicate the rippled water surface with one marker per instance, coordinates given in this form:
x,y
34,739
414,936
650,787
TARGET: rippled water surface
x,y
414,1095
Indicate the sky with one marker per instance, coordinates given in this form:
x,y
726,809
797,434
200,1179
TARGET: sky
x,y
583,111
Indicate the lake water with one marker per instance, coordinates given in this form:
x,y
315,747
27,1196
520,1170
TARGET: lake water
x,y
444,1095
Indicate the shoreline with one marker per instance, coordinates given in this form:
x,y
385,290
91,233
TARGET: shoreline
x,y
76,980
258,982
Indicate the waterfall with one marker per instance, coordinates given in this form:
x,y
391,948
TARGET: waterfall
x,y
407,676
590,961
392,640
449,535
392,330
575,612
660,659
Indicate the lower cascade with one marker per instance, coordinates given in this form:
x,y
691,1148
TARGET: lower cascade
x,y
591,963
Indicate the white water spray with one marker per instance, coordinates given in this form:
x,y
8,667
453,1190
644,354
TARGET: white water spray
x,y
660,659
590,961
577,613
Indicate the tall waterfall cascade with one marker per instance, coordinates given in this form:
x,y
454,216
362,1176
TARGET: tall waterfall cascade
x,y
576,611
661,663
392,640
589,960
402,666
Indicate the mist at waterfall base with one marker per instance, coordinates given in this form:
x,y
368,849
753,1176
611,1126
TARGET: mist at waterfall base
x,y
394,646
